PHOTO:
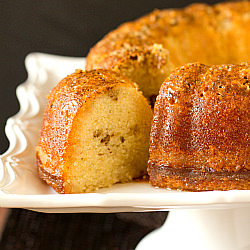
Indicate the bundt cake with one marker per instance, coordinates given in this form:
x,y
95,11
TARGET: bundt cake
x,y
97,123
95,132
200,135
148,49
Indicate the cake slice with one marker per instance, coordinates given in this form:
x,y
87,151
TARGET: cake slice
x,y
95,132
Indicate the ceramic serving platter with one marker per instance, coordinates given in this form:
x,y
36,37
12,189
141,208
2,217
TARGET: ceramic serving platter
x,y
21,187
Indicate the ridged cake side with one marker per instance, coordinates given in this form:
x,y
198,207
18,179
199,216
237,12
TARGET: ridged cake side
x,y
200,135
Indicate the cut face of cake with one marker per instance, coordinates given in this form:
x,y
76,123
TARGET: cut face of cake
x,y
200,136
95,132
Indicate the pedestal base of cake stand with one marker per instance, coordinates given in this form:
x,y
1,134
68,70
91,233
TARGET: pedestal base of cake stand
x,y
222,229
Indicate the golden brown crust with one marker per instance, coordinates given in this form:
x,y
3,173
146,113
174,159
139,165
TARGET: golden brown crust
x,y
195,33
55,181
66,100
202,123
148,49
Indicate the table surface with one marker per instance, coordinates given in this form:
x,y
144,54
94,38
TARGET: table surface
x,y
70,29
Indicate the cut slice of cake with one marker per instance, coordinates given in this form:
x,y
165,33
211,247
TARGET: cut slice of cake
x,y
95,132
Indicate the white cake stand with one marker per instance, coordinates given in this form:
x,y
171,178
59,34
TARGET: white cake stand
x,y
197,220
222,229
